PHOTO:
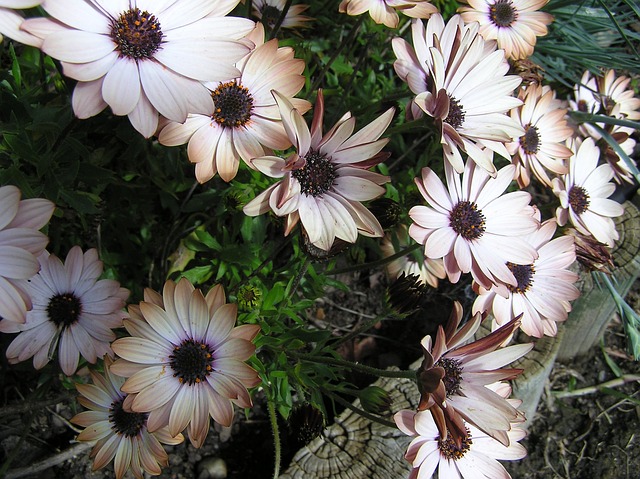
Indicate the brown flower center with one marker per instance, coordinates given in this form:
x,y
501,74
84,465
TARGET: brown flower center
x,y
452,375
270,15
456,113
467,220
126,423
137,34
64,309
232,104
524,276
317,175
583,106
578,199
530,141
503,13
450,450
191,361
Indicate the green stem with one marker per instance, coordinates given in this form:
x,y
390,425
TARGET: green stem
x,y
357,410
582,117
276,438
353,366
375,264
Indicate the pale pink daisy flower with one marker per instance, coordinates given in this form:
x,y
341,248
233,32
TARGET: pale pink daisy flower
x,y
326,178
138,56
461,81
544,288
20,245
385,11
514,24
473,224
185,359
542,148
73,312
269,11
618,100
584,193
121,435
10,21
475,456
454,376
244,121
428,270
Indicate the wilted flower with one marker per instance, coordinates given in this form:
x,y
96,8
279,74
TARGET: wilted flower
x,y
244,121
10,21
584,193
591,253
306,422
387,211
453,376
473,225
406,294
542,147
385,11
121,435
326,178
475,456
185,360
20,245
73,312
515,24
269,11
544,288
138,56
460,80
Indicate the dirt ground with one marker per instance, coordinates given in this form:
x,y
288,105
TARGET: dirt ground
x,y
582,436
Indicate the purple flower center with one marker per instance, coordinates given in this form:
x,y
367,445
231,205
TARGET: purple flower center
x,y
524,276
64,309
232,104
126,423
452,375
137,34
503,13
578,199
317,175
191,361
456,113
270,15
530,141
450,450
467,220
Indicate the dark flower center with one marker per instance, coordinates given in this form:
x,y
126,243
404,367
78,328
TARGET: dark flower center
x,y
530,141
578,199
456,113
126,423
524,276
64,309
232,104
583,106
270,16
136,34
191,361
452,374
467,220
317,175
502,13
450,450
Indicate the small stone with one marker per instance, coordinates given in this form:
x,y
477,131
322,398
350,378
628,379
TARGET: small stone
x,y
212,468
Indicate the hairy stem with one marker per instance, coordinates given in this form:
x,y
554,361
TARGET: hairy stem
x,y
276,438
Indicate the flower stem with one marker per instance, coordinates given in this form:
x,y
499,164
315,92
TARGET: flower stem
x,y
353,366
276,438
357,410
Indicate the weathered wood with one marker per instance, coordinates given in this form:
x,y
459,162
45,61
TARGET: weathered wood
x,y
593,310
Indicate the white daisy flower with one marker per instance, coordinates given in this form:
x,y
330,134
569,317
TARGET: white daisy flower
x,y
73,312
11,21
138,56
